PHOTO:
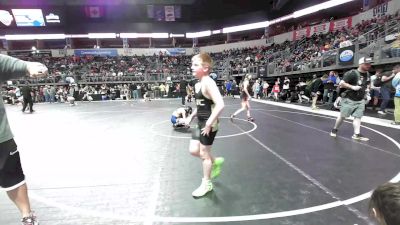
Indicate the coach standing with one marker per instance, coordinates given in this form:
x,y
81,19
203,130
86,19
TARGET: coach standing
x,y
12,178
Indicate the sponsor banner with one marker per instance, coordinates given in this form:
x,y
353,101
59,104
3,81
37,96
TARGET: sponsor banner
x,y
152,51
97,52
346,55
299,34
339,24
320,28
159,13
263,71
59,52
176,51
169,13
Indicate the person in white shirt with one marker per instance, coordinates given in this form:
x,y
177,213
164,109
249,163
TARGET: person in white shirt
x,y
285,88
265,89
344,42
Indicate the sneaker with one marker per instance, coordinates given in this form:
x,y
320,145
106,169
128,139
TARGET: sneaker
x,y
216,168
359,137
30,220
251,119
333,132
205,187
381,112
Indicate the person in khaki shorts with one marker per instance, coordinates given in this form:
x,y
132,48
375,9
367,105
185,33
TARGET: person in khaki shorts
x,y
356,83
12,178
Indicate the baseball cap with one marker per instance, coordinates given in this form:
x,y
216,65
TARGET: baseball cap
x,y
364,60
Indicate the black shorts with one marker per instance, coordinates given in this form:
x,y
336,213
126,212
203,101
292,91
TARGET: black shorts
x,y
11,173
204,140
244,96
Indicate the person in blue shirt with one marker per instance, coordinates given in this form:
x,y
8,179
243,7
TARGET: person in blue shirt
x,y
228,88
329,86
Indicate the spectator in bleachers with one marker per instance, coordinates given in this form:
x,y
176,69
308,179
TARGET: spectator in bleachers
x,y
395,47
344,42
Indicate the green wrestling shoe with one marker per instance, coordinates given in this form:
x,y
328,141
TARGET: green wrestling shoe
x,y
216,168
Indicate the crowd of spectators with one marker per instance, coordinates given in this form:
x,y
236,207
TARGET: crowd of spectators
x,y
308,52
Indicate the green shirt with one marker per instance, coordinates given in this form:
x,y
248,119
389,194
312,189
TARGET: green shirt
x,y
356,78
9,68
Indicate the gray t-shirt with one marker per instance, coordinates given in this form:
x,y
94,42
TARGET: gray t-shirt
x,y
9,68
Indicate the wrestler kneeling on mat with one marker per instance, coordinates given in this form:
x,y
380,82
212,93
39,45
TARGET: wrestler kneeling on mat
x,y
179,116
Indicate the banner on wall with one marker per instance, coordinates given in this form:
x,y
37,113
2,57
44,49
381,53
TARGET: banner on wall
x,y
298,34
59,52
339,24
30,53
380,10
97,52
320,28
366,4
346,55
169,13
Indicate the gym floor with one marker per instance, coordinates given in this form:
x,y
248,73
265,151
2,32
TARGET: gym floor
x,y
121,162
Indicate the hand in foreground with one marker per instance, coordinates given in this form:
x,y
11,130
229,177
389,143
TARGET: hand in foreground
x,y
36,69
355,88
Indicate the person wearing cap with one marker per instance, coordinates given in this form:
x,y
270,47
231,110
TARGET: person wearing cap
x,y
355,82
